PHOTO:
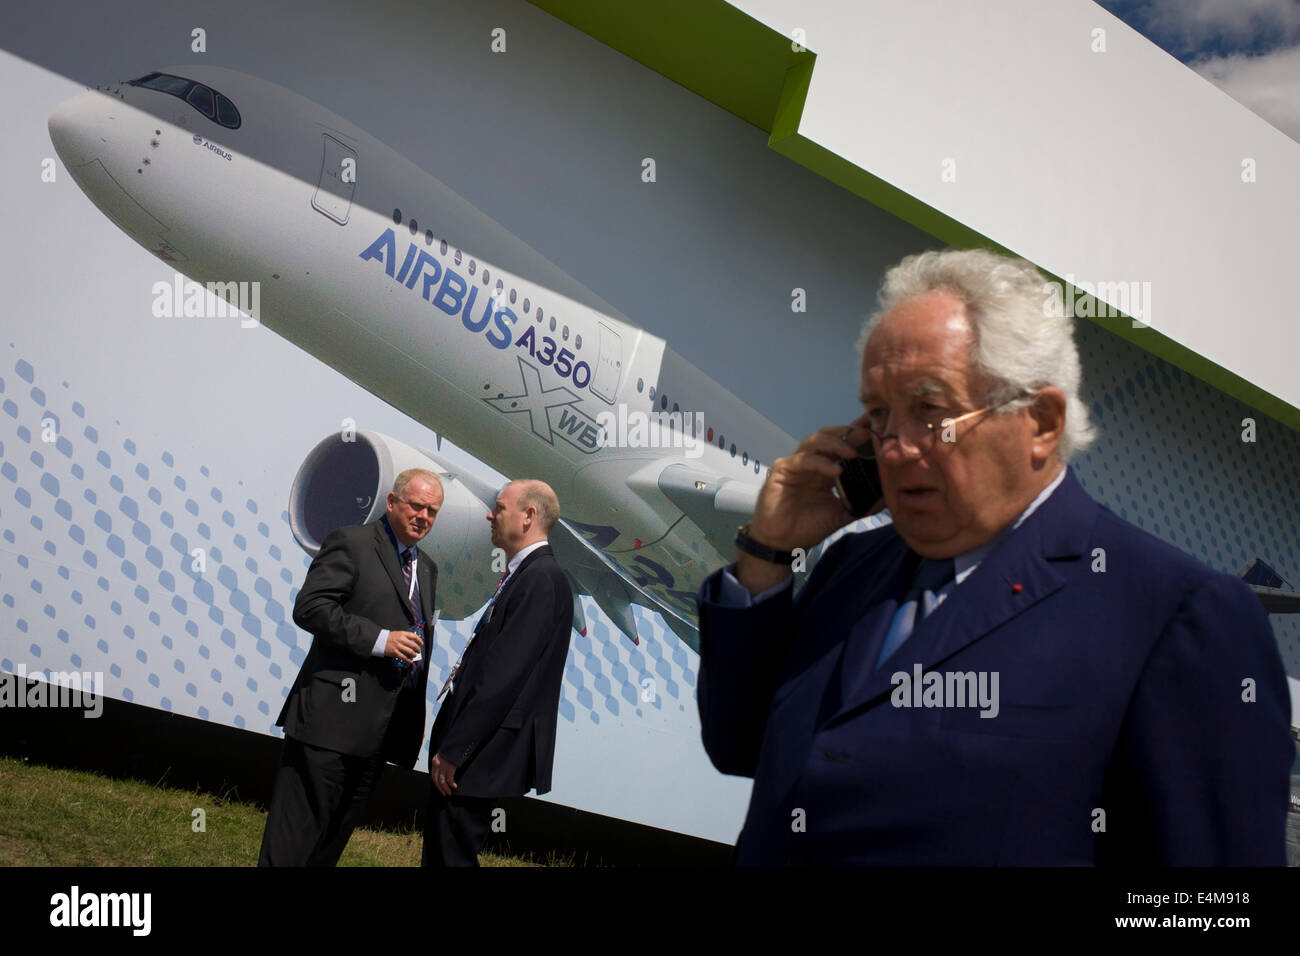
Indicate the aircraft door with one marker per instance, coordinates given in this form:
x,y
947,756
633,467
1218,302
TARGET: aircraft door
x,y
609,365
333,193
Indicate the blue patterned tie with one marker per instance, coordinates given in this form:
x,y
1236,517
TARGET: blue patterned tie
x,y
931,577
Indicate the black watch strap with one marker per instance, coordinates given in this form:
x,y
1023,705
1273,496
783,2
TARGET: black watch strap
x,y
747,544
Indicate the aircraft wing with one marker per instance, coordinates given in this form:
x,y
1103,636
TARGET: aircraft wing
x,y
593,573
716,505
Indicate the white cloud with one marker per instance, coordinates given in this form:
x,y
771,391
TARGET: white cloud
x,y
1194,23
1268,84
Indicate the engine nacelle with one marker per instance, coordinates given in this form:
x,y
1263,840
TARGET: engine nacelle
x,y
347,482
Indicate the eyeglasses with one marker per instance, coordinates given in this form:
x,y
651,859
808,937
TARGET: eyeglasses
x,y
922,434
430,510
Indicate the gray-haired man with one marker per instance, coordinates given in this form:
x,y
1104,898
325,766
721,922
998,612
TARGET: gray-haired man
x,y
1008,673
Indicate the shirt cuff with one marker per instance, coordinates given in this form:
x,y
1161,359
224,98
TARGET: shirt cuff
x,y
381,644
731,593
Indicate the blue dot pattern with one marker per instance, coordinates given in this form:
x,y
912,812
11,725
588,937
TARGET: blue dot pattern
x,y
98,570
1170,458
179,587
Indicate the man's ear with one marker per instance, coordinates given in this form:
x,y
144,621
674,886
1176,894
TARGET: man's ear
x,y
1048,413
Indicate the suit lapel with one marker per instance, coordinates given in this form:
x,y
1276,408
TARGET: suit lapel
x,y
510,581
388,558
486,622
986,600
978,605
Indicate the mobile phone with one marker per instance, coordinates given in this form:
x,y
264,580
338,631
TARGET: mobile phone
x,y
859,483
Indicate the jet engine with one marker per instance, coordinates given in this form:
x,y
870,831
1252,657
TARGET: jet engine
x,y
346,479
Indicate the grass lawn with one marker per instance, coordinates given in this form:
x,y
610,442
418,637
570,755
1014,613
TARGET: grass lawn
x,y
55,817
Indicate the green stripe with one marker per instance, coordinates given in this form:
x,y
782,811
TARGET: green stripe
x,y
707,46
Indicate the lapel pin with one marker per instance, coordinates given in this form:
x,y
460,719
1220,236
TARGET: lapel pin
x,y
1015,588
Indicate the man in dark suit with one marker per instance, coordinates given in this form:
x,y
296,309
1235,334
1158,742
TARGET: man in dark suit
x,y
1008,673
495,733
359,699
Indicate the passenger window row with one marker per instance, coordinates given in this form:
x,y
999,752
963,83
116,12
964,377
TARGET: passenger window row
x,y
457,258
472,267
722,441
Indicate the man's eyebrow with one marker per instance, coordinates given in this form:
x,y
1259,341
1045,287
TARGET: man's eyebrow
x,y
922,389
928,387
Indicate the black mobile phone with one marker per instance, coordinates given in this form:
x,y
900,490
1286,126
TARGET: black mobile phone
x,y
859,483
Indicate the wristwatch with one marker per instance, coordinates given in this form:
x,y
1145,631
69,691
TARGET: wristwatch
x,y
747,544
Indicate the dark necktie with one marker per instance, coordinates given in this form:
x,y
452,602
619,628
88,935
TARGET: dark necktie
x,y
413,598
931,577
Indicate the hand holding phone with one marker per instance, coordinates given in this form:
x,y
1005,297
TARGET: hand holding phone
x,y
859,484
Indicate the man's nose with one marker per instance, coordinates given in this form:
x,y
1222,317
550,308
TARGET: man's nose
x,y
898,448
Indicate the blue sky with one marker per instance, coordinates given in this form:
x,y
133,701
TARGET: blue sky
x,y
1248,48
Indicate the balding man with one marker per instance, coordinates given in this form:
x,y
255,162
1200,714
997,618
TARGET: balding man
x,y
359,699
495,733
1008,673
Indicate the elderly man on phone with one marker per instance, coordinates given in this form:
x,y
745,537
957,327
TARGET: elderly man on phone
x,y
1007,673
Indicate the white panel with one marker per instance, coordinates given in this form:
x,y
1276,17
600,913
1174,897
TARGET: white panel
x,y
1115,166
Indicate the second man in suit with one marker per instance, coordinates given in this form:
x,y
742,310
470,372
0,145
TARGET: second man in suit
x,y
495,734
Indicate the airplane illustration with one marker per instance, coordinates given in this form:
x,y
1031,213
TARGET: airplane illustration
x,y
383,272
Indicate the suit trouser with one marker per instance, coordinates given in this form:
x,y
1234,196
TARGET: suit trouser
x,y
319,798
455,829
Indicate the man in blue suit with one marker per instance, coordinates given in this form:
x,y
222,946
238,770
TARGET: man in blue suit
x,y
1008,673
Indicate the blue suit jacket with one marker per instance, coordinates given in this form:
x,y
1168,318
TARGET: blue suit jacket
x,y
1142,712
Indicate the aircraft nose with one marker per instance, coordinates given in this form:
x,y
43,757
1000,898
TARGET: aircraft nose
x,y
79,127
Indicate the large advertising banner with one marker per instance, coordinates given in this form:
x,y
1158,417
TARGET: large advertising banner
x,y
252,274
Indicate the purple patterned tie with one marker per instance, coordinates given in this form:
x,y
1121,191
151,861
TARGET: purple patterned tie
x,y
413,598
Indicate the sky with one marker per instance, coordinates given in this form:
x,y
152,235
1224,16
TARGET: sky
x,y
1250,49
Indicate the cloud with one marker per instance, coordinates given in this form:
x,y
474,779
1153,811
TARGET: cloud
x,y
1186,26
1268,84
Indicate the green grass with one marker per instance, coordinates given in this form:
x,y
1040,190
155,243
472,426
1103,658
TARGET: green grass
x,y
55,817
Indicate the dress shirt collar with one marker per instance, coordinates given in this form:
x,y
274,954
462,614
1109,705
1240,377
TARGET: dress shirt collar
x,y
967,562
518,558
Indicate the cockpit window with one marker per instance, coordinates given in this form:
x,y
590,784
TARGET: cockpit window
x,y
201,98
227,115
207,101
164,83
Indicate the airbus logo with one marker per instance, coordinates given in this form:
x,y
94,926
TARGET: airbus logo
x,y
551,411
200,141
